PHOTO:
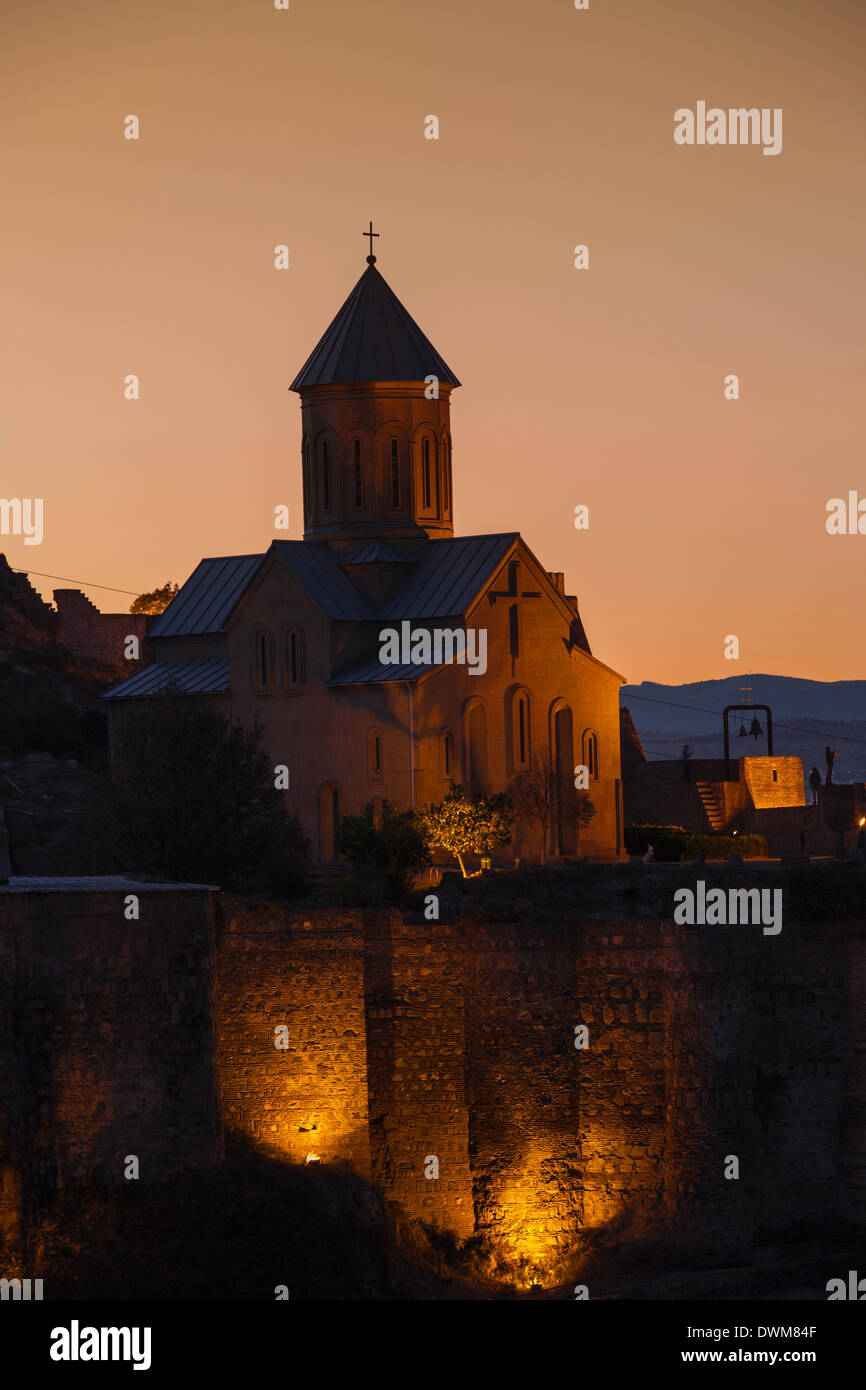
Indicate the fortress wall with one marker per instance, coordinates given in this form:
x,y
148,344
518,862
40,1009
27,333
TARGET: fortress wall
x,y
107,1032
96,636
416,1041
523,1071
306,972
703,1044
416,989
621,989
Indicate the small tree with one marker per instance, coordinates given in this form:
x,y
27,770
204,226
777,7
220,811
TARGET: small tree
x,y
388,842
464,824
156,601
538,794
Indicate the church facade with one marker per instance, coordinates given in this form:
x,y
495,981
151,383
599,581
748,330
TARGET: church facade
x,y
383,656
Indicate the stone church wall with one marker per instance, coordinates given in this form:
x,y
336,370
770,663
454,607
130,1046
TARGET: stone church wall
x,y
322,733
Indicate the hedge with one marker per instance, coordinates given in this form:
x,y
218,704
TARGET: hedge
x,y
672,843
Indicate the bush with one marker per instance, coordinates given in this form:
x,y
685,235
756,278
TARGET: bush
x,y
386,846
668,841
672,843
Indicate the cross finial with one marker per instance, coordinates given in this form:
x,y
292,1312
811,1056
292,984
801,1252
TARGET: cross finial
x,y
371,259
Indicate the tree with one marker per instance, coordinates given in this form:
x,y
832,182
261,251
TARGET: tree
x,y
464,824
538,794
387,842
156,601
193,798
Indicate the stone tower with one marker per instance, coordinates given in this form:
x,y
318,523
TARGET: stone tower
x,y
376,445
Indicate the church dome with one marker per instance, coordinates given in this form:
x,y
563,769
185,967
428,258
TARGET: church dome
x,y
372,338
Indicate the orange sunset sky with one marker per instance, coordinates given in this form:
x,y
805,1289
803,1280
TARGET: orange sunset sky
x,y
602,387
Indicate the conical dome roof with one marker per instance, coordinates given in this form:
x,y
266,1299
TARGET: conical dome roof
x,y
372,338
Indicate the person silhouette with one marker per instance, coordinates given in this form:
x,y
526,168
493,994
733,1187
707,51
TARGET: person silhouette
x,y
814,783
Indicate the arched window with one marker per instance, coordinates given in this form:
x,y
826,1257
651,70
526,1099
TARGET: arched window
x,y
395,474
374,754
262,661
446,470
326,476
294,658
518,728
522,730
359,477
447,758
425,474
590,752
308,469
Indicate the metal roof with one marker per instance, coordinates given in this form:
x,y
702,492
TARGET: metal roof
x,y
208,597
448,576
374,672
372,338
318,569
98,883
186,677
375,551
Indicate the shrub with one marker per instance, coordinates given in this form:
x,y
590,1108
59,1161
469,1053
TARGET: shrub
x,y
385,845
672,843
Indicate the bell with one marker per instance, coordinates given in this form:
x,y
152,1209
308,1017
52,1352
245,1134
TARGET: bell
x,y
742,731
755,727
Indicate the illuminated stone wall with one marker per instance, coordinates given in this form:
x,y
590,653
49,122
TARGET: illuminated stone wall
x,y
412,1042
417,1048
523,1077
304,972
774,781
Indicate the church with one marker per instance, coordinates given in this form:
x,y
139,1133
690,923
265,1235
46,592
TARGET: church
x,y
301,637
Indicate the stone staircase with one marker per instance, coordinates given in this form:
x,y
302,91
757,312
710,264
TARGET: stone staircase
x,y
713,805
